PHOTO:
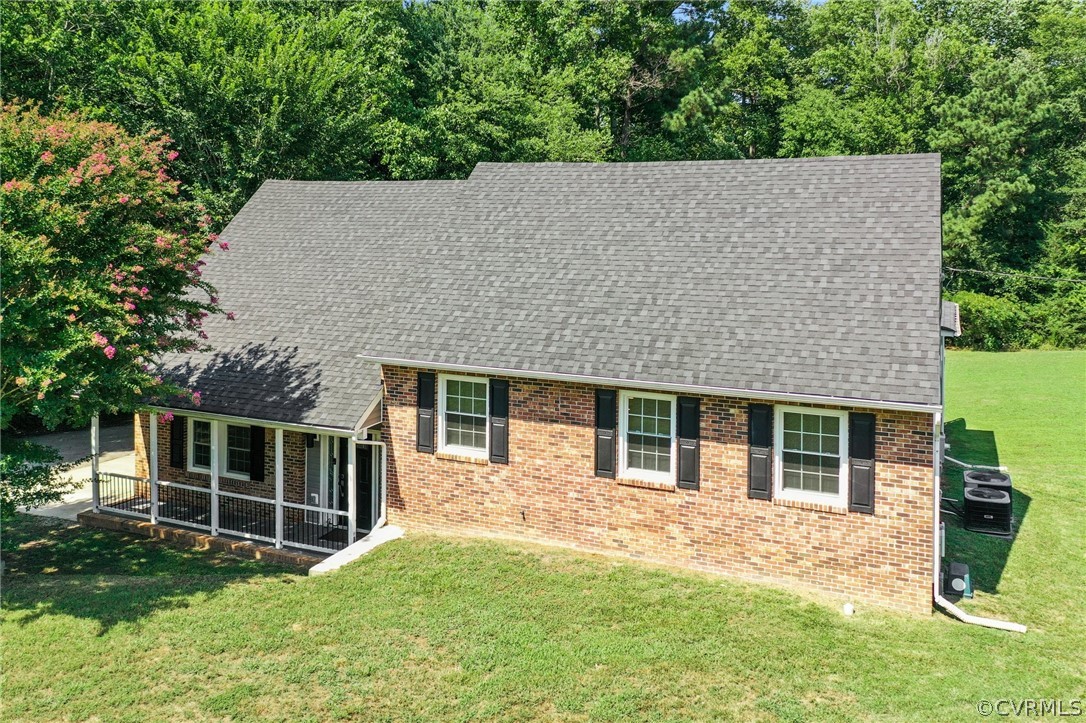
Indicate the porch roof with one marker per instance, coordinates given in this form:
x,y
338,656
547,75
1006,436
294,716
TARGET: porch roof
x,y
299,276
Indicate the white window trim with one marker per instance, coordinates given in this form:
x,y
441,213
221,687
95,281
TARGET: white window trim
x,y
190,442
643,475
219,448
224,434
839,500
442,381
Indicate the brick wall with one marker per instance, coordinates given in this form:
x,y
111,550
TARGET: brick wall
x,y
548,492
293,464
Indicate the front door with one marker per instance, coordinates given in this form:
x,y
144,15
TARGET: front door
x,y
364,464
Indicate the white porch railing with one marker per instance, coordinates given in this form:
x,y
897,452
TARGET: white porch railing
x,y
255,518
181,504
315,528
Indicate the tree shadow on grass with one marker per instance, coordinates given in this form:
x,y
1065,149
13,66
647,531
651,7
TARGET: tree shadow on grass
x,y
986,555
53,567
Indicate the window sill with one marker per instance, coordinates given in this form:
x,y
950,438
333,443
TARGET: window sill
x,y
645,484
812,506
462,458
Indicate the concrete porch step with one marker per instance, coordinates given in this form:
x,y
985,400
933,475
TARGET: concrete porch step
x,y
352,552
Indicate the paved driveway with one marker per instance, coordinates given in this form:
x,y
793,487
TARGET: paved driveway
x,y
115,441
117,455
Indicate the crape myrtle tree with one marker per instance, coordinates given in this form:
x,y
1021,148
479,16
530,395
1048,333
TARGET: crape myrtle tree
x,y
101,276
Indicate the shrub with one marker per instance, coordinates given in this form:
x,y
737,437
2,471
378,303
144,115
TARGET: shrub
x,y
990,323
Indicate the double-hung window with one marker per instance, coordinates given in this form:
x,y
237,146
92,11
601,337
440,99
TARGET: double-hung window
x,y
233,446
462,421
647,442
237,451
812,461
200,445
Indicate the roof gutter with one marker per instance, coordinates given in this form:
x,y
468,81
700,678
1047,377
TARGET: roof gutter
x,y
656,386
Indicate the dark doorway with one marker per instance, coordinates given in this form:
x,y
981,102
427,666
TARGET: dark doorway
x,y
364,492
341,474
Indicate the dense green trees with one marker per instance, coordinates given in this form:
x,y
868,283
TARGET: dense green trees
x,y
349,90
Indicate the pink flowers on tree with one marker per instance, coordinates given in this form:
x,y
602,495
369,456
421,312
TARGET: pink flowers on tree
x,y
134,294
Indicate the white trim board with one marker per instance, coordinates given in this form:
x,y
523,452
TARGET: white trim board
x,y
655,386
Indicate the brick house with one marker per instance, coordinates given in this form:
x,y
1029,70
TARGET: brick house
x,y
732,366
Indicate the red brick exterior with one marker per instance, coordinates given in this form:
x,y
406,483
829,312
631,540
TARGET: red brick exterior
x,y
549,493
293,464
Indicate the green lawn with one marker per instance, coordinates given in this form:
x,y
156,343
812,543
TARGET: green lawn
x,y
102,625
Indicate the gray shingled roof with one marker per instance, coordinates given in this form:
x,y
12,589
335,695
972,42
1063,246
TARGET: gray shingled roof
x,y
808,276
300,276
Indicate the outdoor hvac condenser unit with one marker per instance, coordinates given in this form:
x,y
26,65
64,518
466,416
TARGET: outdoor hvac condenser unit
x,y
987,510
989,479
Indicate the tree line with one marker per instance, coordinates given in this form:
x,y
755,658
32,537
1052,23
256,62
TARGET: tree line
x,y
372,90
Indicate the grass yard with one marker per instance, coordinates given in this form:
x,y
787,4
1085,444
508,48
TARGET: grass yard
x,y
98,625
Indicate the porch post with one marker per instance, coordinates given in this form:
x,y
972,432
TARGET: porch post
x,y
214,477
95,493
352,490
152,465
278,487
382,512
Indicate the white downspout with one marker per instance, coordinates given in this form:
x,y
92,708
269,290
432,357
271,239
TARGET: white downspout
x,y
941,601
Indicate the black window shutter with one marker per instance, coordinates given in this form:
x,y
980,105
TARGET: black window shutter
x,y
425,429
499,421
606,423
689,473
861,462
177,442
256,454
760,455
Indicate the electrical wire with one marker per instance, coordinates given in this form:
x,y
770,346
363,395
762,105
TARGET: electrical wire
x,y
1013,275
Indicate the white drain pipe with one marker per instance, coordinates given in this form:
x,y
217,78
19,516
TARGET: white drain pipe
x,y
965,617
941,601
966,465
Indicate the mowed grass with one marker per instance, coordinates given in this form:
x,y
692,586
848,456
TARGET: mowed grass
x,y
99,625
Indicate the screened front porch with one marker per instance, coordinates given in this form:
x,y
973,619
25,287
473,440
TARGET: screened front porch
x,y
326,495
